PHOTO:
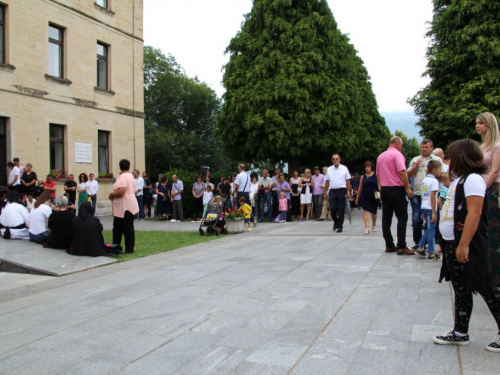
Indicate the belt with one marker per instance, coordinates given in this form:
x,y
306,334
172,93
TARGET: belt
x,y
338,189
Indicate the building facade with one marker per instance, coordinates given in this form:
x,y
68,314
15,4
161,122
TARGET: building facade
x,y
71,85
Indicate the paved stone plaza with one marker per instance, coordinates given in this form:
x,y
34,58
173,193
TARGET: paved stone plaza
x,y
286,298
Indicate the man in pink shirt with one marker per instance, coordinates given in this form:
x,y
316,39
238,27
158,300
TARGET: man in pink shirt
x,y
124,207
318,191
393,182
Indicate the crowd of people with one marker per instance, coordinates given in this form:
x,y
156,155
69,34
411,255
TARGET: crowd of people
x,y
454,200
30,210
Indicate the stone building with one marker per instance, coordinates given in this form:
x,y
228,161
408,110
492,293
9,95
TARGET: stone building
x,y
71,85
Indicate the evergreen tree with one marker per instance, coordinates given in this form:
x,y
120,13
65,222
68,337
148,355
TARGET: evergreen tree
x,y
464,68
180,118
296,89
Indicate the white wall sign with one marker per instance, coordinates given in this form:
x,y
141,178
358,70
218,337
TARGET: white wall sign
x,y
83,152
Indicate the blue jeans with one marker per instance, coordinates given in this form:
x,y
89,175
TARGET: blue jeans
x,y
266,198
94,203
416,217
429,236
42,237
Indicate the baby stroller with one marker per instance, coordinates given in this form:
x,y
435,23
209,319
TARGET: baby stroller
x,y
213,220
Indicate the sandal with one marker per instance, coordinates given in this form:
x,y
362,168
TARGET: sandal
x,y
374,229
367,231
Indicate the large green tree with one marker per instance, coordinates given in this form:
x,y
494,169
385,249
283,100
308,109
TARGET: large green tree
x,y
296,90
411,147
180,118
464,68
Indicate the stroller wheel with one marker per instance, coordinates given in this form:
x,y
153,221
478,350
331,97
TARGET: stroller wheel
x,y
216,232
201,232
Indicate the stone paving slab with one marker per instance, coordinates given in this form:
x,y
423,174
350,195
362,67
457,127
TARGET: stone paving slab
x,y
284,299
33,257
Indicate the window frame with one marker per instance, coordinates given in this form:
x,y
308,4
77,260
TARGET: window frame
x,y
58,141
3,23
106,59
106,6
106,145
61,44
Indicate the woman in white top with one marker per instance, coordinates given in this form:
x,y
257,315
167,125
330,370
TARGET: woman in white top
x,y
254,190
39,218
487,128
15,219
306,185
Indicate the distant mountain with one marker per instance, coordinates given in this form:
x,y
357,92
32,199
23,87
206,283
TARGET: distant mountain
x,y
404,121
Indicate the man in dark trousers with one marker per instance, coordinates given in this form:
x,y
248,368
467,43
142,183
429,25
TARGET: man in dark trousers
x,y
338,186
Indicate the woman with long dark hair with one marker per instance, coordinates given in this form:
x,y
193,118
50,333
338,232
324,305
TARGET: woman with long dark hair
x,y
82,189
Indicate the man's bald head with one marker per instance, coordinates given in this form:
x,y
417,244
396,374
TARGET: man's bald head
x,y
439,153
396,140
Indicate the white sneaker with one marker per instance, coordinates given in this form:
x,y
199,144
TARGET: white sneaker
x,y
173,221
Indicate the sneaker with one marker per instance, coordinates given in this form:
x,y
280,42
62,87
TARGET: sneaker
x,y
451,339
249,229
173,221
495,345
414,247
420,251
433,258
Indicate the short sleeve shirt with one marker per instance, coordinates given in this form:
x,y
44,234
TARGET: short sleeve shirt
x,y
429,185
127,202
475,185
420,174
389,164
265,181
243,182
318,182
50,185
177,186
337,176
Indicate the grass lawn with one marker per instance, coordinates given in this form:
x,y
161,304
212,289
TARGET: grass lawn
x,y
155,242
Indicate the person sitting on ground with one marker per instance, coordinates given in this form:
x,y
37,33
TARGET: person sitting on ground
x,y
30,202
87,233
3,197
15,219
61,225
23,199
39,218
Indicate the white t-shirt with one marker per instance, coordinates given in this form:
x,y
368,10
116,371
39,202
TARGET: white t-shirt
x,y
207,197
139,185
337,176
243,182
474,186
38,218
12,174
428,185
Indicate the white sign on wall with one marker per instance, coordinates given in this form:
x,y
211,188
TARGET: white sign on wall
x,y
83,152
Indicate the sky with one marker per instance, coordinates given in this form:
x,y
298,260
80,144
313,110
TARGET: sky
x,y
389,36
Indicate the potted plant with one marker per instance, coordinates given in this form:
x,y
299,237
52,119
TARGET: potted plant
x,y
235,221
58,174
105,176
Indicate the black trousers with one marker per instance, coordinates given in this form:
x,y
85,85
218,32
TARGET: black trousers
x,y
147,203
199,207
275,203
394,202
463,300
336,198
124,227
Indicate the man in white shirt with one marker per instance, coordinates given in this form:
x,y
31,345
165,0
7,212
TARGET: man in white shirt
x,y
14,177
139,186
92,187
338,185
18,164
242,185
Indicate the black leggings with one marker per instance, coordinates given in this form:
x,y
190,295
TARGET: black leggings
x,y
463,300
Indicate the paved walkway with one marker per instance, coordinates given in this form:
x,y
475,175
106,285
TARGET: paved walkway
x,y
285,298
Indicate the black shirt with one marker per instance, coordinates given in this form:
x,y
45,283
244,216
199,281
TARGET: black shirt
x,y
71,193
61,226
146,191
225,189
28,178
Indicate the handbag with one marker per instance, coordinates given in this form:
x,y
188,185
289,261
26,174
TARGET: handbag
x,y
377,195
